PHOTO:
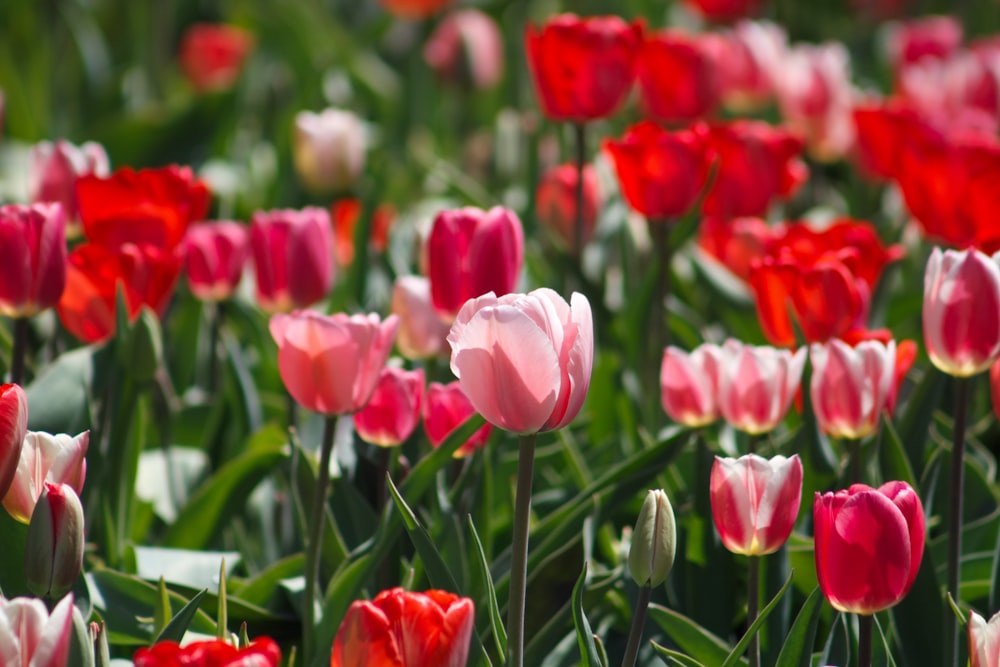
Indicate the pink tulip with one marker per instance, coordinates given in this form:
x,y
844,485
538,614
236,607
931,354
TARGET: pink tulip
x,y
55,168
446,407
13,428
422,332
53,555
755,501
33,256
689,384
962,311
984,640
852,386
32,637
757,385
524,360
293,255
394,409
467,49
215,255
471,252
933,37
869,544
58,459
331,363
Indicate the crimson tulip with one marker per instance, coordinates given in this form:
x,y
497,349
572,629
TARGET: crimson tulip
x,y
422,332
31,636
446,407
33,256
677,77
55,168
262,652
46,459
869,544
293,257
211,56
757,385
406,629
393,411
984,640
215,254
851,386
466,49
328,149
13,428
555,201
689,384
583,68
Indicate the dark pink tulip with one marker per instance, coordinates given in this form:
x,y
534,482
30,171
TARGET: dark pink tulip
x,y
422,332
446,407
524,360
32,637
33,256
755,501
851,386
331,363
394,409
215,254
55,168
869,544
13,428
46,458
984,640
471,252
689,384
293,255
757,385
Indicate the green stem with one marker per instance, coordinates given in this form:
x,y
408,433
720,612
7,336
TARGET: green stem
x,y
865,640
638,622
580,133
19,351
316,520
855,465
293,410
753,605
215,326
955,511
519,550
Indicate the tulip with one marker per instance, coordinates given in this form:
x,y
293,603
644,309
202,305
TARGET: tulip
x,y
755,501
467,49
869,544
405,629
661,173
748,60
724,10
422,333
524,360
851,386
984,640
262,652
414,9
934,37
331,363
962,311
555,201
32,637
55,168
293,256
471,252
345,214
737,243
393,411
689,384
446,407
677,77
329,149
211,56
53,555
654,541
583,68
13,429
46,458
215,253
757,385
33,254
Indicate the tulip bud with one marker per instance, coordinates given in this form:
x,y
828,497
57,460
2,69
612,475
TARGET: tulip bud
x,y
329,149
53,556
55,168
142,351
654,541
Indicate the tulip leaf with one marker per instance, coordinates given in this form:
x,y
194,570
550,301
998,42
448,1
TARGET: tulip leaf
x,y
333,551
672,657
422,476
59,397
496,620
741,646
797,649
894,462
589,656
698,642
915,422
178,625
922,605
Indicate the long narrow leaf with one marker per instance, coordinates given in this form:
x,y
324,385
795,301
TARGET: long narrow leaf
x,y
584,635
493,607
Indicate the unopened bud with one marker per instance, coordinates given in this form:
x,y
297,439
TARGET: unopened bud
x,y
654,541
53,556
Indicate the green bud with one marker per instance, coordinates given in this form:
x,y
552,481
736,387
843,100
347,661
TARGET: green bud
x,y
53,554
654,541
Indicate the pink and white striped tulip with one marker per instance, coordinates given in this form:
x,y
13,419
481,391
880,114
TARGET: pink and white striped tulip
x,y
215,254
422,332
524,360
755,501
33,255
851,386
984,640
446,407
962,311
56,459
394,409
13,428
757,385
32,637
689,384
55,168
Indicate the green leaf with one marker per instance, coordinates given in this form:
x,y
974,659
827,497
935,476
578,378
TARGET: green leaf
x,y
81,646
14,538
59,397
915,422
741,646
895,462
584,635
499,631
672,657
695,640
797,649
921,606
178,625
162,614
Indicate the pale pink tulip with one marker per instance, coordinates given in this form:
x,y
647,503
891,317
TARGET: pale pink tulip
x,y
689,384
851,386
466,49
55,168
446,407
331,363
32,637
962,311
422,332
59,459
755,501
524,360
394,409
984,640
757,385
329,149
215,254
33,255
13,428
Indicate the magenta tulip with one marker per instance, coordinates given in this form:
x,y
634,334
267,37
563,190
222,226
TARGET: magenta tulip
x,y
293,255
984,640
446,407
524,360
33,256
32,637
851,386
46,458
689,384
216,253
757,385
422,332
869,544
394,409
13,428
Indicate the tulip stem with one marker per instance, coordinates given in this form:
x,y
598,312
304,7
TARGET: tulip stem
x,y
955,510
854,452
215,327
519,550
638,622
865,640
19,351
753,605
580,135
316,521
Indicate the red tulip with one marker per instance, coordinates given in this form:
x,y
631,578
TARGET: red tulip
x,y
345,214
404,629
331,363
879,136
677,76
984,640
329,149
393,411
661,173
293,256
422,332
467,49
757,385
32,637
13,428
33,257
736,243
216,253
755,501
262,652
153,206
87,307
851,386
46,459
725,10
524,360
689,384
446,407
56,167
869,544
555,201
211,56
471,252
414,9
583,68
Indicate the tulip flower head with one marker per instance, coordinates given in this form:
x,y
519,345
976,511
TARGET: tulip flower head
x,y
329,149
524,360
757,385
32,637
13,429
262,652
46,458
689,384
215,254
446,407
984,640
677,76
393,411
33,256
422,332
466,49
293,257
869,544
555,201
755,501
851,386
414,9
654,541
211,56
